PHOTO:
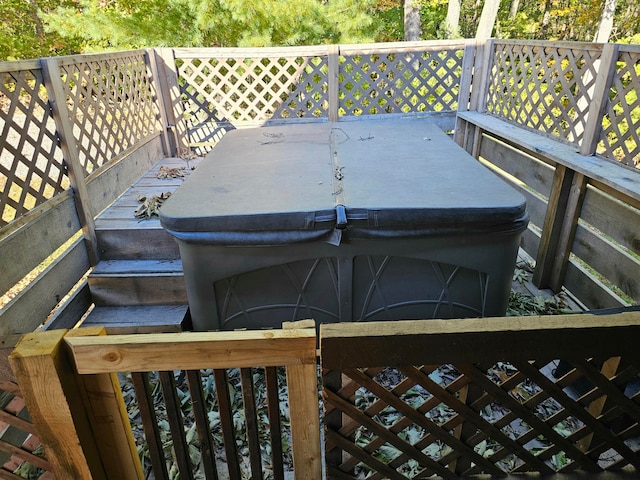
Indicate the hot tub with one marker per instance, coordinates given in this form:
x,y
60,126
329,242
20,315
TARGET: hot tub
x,y
349,221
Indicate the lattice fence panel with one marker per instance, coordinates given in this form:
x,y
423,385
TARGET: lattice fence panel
x,y
112,105
223,93
620,135
403,81
21,453
544,87
31,168
453,420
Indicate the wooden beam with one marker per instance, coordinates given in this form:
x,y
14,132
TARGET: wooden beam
x,y
53,398
302,385
107,412
192,350
415,342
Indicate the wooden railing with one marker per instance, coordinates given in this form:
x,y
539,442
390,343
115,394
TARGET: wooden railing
x,y
407,399
75,399
496,396
75,132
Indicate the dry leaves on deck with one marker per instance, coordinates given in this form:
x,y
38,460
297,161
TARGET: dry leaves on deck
x,y
166,172
150,206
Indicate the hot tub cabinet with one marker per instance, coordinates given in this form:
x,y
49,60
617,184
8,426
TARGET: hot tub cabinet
x,y
349,221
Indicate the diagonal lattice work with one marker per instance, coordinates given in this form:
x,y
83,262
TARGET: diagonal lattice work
x,y
405,80
620,134
545,87
31,168
477,416
226,91
111,102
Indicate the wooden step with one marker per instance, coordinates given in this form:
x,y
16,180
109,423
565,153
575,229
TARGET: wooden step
x,y
131,239
138,282
139,319
122,236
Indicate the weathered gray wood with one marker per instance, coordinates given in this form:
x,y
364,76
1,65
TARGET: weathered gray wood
x,y
169,91
333,82
613,263
552,230
529,170
612,217
615,176
588,289
606,68
68,314
120,283
418,342
136,240
31,306
138,319
7,343
114,180
57,100
24,245
567,233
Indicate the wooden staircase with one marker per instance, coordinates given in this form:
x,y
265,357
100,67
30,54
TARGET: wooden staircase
x,y
138,285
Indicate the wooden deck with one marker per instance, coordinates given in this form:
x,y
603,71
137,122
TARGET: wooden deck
x,y
138,286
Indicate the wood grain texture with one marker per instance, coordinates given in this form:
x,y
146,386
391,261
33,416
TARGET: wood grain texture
x,y
53,398
32,305
192,350
108,416
416,342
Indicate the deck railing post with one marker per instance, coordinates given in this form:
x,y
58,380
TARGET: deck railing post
x,y
558,232
606,67
304,410
167,117
333,81
64,128
464,95
54,399
170,98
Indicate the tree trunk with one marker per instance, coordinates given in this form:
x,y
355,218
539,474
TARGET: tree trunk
x,y
487,19
605,25
452,22
411,21
513,10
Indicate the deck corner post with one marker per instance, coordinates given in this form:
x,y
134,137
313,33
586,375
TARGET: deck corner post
x,y
304,410
64,128
107,413
170,98
167,119
53,396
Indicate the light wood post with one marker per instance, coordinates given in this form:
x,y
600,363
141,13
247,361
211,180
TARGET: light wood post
x,y
64,128
54,399
107,412
304,410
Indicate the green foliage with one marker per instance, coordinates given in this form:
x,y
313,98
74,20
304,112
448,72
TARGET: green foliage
x,y
22,31
125,24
